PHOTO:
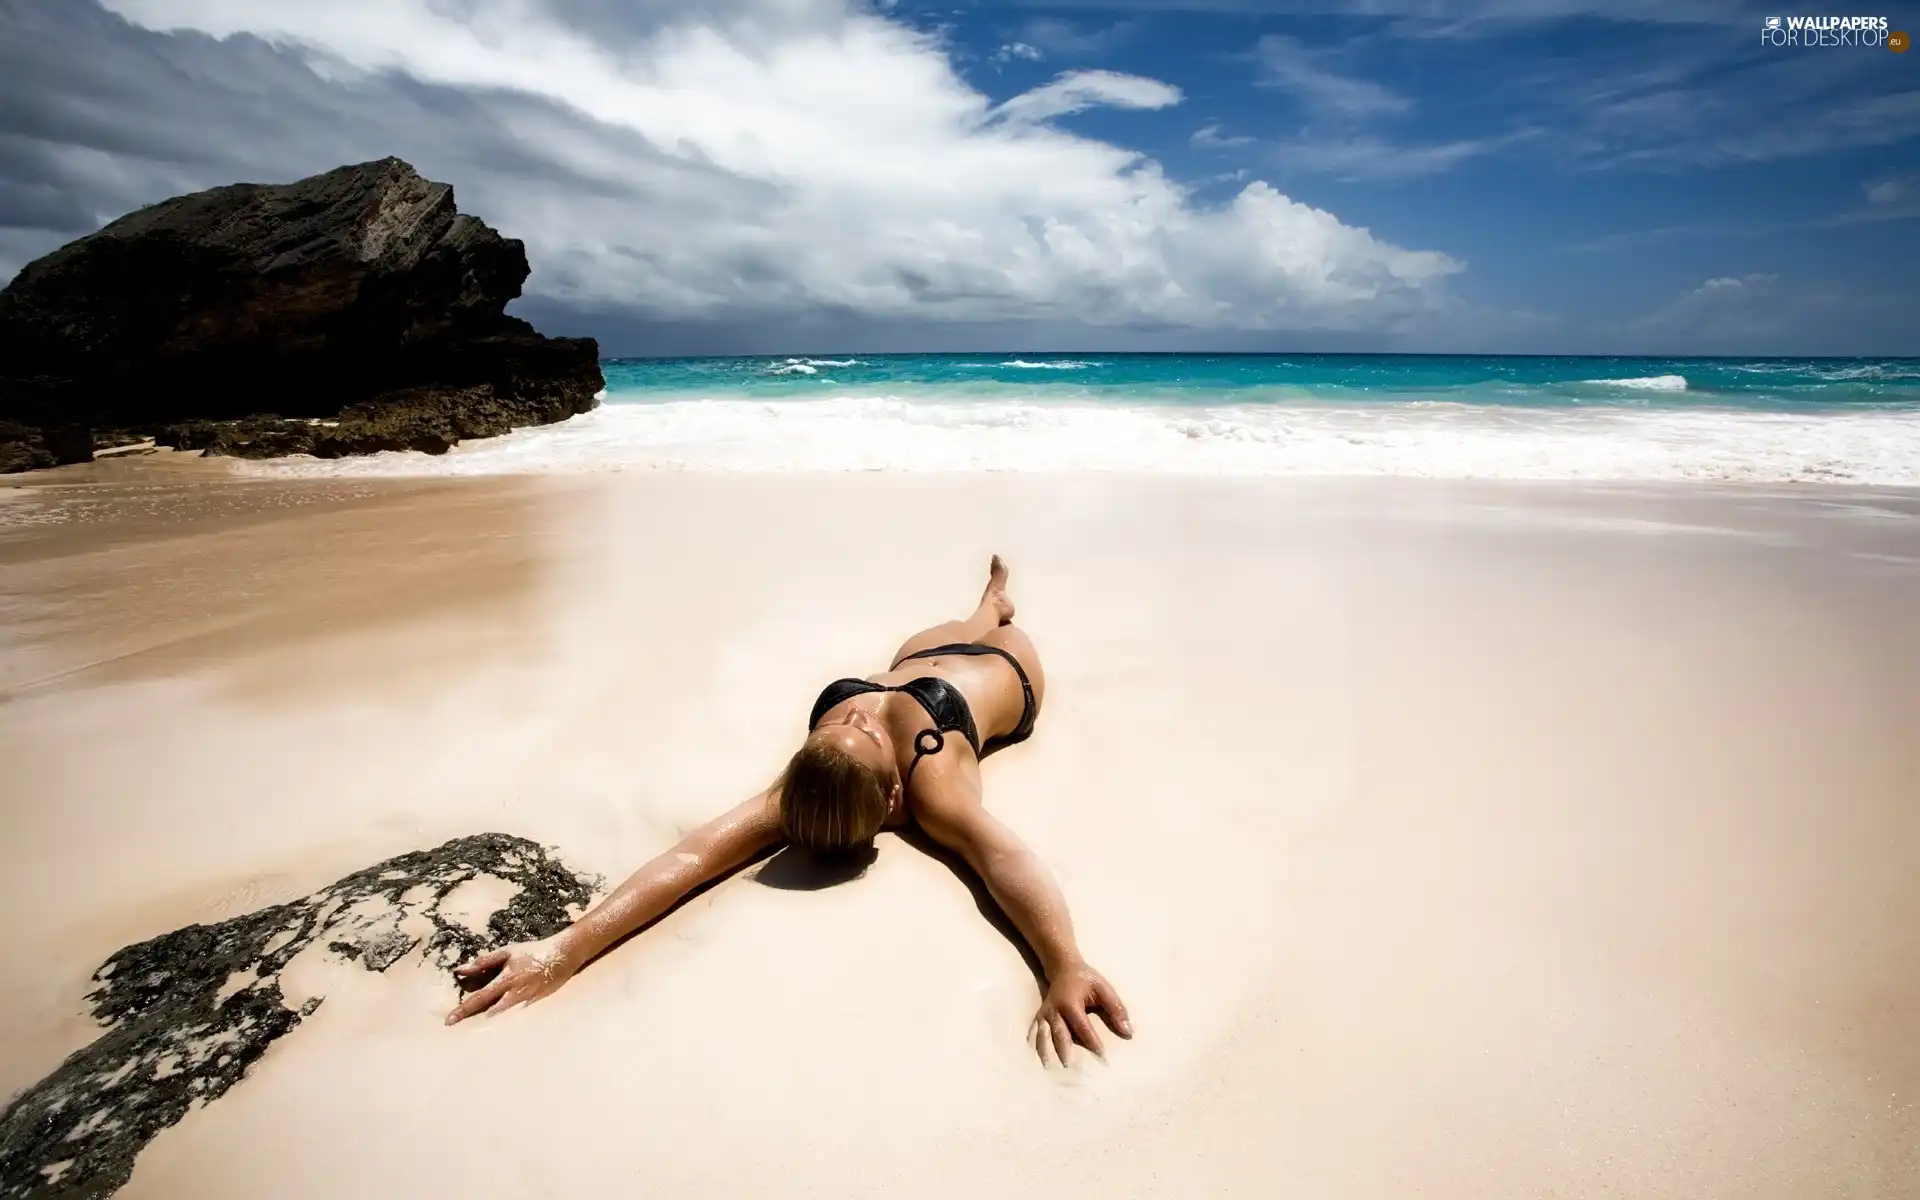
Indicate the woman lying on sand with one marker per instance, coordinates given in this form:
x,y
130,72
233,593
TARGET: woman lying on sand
x,y
899,748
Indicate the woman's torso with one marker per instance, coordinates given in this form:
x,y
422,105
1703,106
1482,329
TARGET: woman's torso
x,y
986,682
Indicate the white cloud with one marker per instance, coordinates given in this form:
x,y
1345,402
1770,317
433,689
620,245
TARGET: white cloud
x,y
1764,313
1743,310
720,158
1076,91
1340,108
1020,50
1450,14
1289,66
1892,190
1210,137
1069,40
1871,121
1366,157
1893,197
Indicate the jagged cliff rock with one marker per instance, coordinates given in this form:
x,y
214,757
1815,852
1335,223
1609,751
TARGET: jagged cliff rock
x,y
349,312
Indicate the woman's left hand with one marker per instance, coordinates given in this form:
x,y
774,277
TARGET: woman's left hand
x,y
527,971
1071,995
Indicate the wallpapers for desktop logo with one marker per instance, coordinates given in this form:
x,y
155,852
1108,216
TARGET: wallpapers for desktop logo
x,y
1869,32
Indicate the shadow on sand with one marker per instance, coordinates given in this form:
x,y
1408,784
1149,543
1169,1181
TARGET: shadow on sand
x,y
795,870
792,869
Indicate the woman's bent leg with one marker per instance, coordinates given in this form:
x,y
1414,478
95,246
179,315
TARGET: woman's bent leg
x,y
993,611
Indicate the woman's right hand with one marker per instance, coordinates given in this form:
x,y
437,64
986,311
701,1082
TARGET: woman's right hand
x,y
528,971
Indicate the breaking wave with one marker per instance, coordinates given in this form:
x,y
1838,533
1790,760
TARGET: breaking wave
x,y
958,433
1650,383
809,366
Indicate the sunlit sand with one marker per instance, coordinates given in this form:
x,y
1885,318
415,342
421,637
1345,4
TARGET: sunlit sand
x,y
1445,839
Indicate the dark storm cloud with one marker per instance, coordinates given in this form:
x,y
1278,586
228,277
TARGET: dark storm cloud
x,y
829,330
625,21
99,117
32,196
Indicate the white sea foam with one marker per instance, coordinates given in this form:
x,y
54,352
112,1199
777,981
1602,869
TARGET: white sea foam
x,y
811,366
1065,364
1649,383
1872,372
887,433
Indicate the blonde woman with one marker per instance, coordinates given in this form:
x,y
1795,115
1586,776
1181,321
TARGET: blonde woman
x,y
896,749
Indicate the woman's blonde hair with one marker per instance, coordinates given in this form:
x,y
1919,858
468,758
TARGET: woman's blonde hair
x,y
830,801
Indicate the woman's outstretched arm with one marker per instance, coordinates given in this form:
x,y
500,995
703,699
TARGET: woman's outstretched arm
x,y
947,805
531,970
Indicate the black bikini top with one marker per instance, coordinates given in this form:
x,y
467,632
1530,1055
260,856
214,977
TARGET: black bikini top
x,y
941,699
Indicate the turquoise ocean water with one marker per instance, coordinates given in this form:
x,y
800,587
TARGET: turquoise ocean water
x,y
1760,384
1604,419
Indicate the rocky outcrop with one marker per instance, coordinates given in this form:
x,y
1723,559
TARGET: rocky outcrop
x,y
188,1013
353,311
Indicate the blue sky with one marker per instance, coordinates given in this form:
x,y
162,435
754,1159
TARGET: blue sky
x,y
1593,172
773,175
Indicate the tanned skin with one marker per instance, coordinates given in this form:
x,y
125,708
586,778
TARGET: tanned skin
x,y
943,799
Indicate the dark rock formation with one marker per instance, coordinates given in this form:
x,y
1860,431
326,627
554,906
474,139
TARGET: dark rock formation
x,y
25,447
188,1012
360,297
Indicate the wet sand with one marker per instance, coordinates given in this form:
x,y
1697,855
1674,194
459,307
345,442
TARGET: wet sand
x,y
1444,839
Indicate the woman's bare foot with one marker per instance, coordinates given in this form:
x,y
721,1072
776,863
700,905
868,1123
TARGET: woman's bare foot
x,y
995,597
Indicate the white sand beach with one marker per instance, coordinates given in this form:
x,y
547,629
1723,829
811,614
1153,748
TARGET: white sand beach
x,y
1445,839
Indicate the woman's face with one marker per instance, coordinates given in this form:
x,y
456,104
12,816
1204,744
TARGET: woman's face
x,y
858,733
